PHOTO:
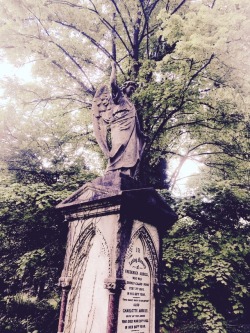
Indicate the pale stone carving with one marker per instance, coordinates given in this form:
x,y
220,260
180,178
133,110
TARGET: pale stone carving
x,y
116,126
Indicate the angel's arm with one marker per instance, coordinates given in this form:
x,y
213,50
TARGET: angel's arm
x,y
115,90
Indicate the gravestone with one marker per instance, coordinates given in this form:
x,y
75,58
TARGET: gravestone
x,y
112,264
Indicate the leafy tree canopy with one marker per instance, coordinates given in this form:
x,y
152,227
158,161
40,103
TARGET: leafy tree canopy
x,y
190,60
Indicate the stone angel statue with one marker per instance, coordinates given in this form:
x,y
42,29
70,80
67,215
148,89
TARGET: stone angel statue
x,y
116,126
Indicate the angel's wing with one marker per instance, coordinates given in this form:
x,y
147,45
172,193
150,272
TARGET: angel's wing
x,y
102,111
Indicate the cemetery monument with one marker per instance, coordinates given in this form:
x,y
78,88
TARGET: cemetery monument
x,y
111,275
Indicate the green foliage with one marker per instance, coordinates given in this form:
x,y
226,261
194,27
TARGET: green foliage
x,y
31,315
33,238
206,258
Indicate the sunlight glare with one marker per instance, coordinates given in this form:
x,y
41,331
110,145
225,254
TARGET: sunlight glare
x,y
8,70
190,168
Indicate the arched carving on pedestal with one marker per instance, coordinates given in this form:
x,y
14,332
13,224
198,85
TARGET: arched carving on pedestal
x,y
150,254
88,255
80,249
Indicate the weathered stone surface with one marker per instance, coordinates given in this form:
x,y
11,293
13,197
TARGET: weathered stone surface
x,y
116,126
111,184
88,259
112,259
140,271
117,191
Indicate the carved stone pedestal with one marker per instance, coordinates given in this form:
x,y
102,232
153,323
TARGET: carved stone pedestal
x,y
111,267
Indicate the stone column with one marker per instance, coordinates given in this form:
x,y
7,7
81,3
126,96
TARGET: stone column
x,y
65,284
114,286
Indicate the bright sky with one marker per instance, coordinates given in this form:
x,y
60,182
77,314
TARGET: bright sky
x,y
8,70
189,169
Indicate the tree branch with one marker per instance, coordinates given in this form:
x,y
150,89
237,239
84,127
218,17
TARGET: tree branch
x,y
200,70
123,21
109,26
146,16
178,7
77,65
127,9
92,40
72,76
213,3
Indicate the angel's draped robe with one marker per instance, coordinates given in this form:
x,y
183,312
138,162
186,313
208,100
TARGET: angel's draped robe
x,y
126,136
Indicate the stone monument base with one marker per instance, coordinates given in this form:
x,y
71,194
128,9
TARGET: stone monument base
x,y
111,269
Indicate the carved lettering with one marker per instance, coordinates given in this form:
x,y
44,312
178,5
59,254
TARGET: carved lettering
x,y
135,305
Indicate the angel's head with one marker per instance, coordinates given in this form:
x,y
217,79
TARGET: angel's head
x,y
129,87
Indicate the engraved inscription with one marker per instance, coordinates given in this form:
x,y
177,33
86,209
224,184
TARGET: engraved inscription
x,y
134,312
